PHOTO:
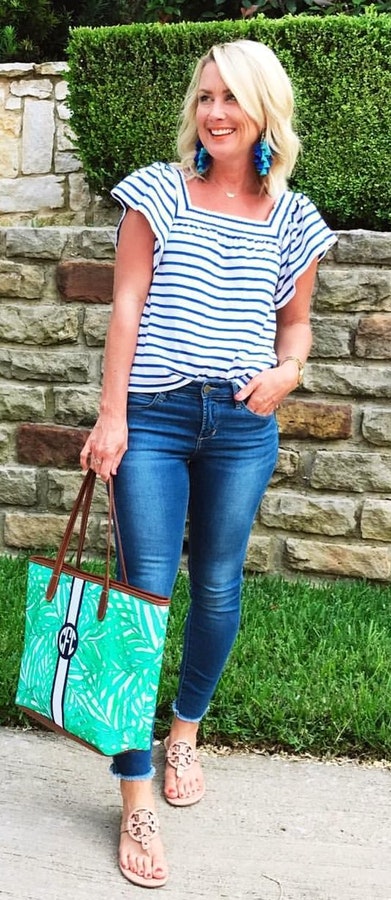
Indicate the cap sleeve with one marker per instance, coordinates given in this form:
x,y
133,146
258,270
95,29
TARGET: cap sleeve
x,y
153,192
307,237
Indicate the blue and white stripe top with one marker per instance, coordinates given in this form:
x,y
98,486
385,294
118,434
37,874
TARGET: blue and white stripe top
x,y
217,281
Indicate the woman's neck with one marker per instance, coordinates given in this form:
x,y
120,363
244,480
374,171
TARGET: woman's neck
x,y
233,183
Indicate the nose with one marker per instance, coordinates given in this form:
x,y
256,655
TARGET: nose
x,y
216,110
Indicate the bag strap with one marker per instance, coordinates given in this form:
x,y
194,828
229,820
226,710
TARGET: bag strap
x,y
83,503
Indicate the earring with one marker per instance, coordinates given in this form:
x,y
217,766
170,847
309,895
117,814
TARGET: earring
x,y
201,158
262,157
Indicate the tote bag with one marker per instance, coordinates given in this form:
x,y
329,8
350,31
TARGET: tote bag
x,y
93,646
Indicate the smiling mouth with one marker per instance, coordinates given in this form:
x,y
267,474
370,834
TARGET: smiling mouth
x,y
220,132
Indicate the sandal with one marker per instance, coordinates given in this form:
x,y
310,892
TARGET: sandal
x,y
142,826
181,756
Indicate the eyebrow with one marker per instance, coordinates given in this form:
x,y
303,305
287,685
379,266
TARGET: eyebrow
x,y
205,91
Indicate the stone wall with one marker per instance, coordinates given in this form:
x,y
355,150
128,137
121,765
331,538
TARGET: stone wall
x,y
41,178
328,510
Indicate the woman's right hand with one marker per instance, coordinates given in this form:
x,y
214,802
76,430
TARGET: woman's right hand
x,y
105,446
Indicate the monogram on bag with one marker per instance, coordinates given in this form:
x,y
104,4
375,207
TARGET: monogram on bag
x,y
93,646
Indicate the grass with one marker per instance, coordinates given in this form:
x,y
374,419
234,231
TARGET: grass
x,y
310,671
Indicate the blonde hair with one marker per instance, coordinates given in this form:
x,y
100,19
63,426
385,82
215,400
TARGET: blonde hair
x,y
263,90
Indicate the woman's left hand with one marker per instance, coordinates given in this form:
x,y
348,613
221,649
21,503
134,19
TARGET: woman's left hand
x,y
264,393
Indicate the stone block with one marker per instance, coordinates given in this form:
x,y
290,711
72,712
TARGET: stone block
x,y
376,426
18,487
373,337
315,515
42,325
64,161
258,554
49,445
31,194
40,88
63,487
79,192
91,282
350,560
359,472
307,419
38,135
349,288
38,243
332,336
63,111
13,103
38,531
9,157
16,70
21,280
287,466
363,247
48,365
65,136
91,243
5,444
376,520
95,326
76,406
10,123
61,90
357,381
21,403
52,68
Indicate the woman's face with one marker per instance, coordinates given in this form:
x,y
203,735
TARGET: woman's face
x,y
226,131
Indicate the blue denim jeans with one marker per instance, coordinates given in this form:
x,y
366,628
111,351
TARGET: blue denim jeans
x,y
192,452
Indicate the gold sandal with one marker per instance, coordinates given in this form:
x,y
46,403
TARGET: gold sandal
x,y
142,826
181,756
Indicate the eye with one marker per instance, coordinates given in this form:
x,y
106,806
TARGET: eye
x,y
231,97
203,98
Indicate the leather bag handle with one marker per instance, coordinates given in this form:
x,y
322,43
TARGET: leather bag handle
x,y
83,503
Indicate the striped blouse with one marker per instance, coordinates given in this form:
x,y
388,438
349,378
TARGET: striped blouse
x,y
217,282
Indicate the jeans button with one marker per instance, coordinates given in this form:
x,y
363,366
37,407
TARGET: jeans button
x,y
208,388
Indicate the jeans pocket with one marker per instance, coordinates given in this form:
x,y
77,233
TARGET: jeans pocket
x,y
144,400
255,415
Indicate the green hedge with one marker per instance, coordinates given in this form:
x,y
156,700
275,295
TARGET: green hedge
x,y
127,84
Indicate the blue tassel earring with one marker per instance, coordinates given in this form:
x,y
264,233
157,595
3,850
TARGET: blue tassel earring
x,y
202,158
262,157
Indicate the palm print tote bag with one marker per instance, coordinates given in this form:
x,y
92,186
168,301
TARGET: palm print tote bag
x,y
93,646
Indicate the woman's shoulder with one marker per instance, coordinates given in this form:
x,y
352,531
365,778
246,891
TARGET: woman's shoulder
x,y
297,211
155,172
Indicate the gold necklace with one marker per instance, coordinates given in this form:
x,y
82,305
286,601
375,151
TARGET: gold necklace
x,y
230,194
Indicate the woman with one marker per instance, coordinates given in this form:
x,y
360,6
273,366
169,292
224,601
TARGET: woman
x,y
209,332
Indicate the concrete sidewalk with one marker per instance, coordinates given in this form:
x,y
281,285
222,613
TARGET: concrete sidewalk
x,y
321,830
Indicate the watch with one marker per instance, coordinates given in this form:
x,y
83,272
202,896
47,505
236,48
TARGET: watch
x,y
300,367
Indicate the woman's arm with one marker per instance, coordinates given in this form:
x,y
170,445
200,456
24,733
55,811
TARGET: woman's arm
x,y
132,278
293,338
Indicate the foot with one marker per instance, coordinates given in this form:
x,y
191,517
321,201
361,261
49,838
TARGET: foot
x,y
141,853
184,782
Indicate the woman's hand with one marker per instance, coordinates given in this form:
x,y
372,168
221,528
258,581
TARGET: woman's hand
x,y
105,446
264,393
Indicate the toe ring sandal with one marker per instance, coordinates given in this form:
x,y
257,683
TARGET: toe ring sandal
x,y
142,826
181,756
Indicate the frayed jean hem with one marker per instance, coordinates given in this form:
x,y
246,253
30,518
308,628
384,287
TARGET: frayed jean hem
x,y
186,718
147,777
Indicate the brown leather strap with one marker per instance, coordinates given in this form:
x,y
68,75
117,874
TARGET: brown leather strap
x,y
84,520
83,503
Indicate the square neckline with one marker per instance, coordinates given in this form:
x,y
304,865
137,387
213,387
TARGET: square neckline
x,y
229,216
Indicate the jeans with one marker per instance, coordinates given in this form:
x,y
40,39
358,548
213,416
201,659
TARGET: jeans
x,y
194,452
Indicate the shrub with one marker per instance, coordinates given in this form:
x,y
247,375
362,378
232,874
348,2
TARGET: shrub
x,y
36,30
127,83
